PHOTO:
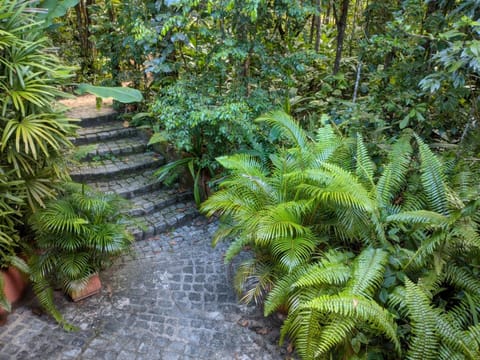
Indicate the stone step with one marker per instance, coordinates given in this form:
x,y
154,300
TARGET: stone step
x,y
163,220
156,200
130,185
112,148
91,116
111,169
103,132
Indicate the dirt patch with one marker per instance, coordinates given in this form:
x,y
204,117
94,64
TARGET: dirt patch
x,y
85,101
85,107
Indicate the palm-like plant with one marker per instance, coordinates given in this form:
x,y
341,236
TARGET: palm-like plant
x,y
317,195
76,236
32,133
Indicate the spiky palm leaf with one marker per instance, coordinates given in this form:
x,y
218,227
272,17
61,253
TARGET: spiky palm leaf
x,y
284,124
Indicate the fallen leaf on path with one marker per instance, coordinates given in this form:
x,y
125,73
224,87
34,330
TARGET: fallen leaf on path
x,y
263,331
243,322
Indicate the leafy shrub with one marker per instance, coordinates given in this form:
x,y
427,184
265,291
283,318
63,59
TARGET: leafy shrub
x,y
202,124
354,250
76,235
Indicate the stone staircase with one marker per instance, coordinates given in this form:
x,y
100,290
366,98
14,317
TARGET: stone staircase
x,y
115,158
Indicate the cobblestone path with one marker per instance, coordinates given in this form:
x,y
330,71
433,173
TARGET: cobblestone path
x,y
170,298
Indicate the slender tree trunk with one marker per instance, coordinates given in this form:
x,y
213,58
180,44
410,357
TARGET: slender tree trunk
x,y
318,24
357,82
341,26
87,48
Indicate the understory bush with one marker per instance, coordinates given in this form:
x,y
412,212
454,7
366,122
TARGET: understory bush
x,y
201,123
374,260
76,236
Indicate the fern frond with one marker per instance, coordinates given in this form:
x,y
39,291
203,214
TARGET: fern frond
x,y
461,278
473,333
453,337
280,292
243,164
287,126
303,327
362,309
424,343
466,234
334,333
328,274
326,144
424,217
395,173
427,249
293,251
282,220
235,248
396,300
433,178
364,167
447,353
368,272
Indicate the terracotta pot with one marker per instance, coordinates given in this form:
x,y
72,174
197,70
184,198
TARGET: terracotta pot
x,y
14,285
93,287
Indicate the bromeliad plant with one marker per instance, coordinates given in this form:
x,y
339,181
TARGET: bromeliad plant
x,y
369,260
76,236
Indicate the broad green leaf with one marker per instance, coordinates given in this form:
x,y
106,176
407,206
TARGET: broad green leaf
x,y
121,94
55,9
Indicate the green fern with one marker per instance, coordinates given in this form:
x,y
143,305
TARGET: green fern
x,y
365,167
359,308
368,272
433,178
284,124
394,176
424,344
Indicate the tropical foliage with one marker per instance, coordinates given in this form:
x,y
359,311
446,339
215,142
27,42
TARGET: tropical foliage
x,y
76,235
368,258
32,132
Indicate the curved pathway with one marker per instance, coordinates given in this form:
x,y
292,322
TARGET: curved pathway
x,y
170,298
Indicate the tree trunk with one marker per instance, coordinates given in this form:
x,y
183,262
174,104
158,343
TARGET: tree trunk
x,y
318,24
341,26
87,49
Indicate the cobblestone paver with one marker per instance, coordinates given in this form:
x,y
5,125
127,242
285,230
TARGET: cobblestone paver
x,y
127,146
171,298
102,132
130,185
112,168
